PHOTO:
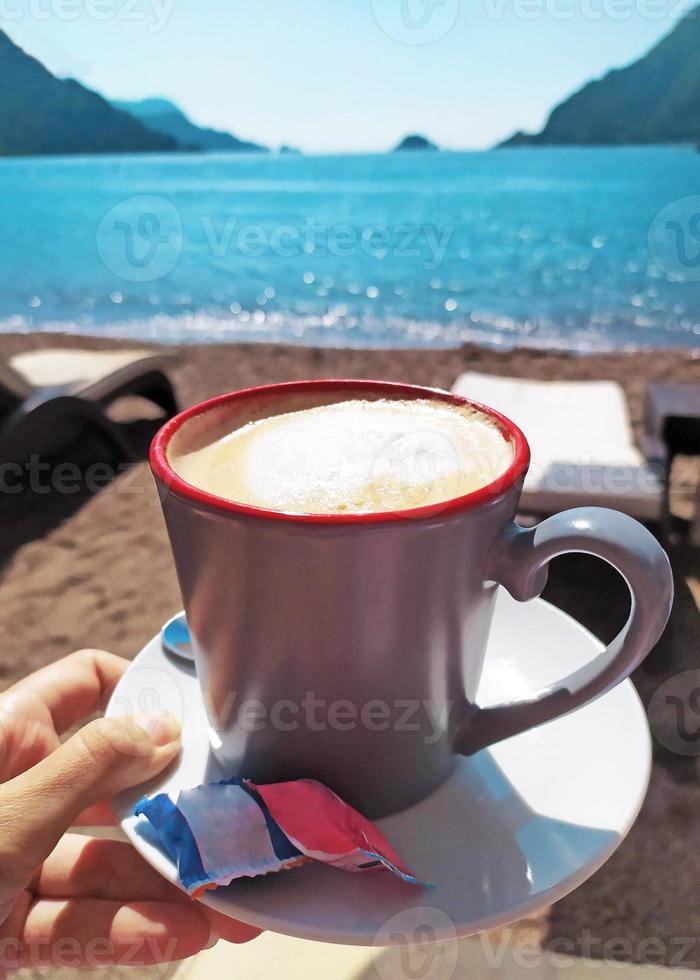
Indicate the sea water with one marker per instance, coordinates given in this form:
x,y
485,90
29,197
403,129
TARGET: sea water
x,y
578,248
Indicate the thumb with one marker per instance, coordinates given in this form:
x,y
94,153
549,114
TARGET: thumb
x,y
103,758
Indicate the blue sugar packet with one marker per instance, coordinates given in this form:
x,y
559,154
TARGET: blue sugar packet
x,y
217,832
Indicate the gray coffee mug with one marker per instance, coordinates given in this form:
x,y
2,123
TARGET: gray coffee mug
x,y
348,648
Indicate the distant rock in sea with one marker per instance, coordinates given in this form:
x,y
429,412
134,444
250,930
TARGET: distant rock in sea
x,y
42,114
654,100
415,142
166,118
293,150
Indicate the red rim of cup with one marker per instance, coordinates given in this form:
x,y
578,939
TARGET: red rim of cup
x,y
456,505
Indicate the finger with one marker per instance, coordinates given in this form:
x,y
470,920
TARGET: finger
x,y
72,688
96,933
102,759
228,929
27,736
84,867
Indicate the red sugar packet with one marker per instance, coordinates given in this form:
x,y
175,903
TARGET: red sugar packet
x,y
324,827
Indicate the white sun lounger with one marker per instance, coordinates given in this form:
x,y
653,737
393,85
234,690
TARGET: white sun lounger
x,y
583,450
90,373
47,395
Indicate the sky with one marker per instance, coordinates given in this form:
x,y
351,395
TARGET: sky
x,y
343,75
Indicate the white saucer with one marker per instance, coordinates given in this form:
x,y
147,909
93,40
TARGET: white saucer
x,y
517,827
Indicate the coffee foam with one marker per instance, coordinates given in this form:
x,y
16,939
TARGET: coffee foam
x,y
352,457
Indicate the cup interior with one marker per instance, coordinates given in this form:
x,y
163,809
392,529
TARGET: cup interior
x,y
260,403
208,421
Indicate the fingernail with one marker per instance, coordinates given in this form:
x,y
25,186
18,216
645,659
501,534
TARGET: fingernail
x,y
162,728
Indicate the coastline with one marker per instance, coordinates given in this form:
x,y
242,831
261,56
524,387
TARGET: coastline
x,y
493,332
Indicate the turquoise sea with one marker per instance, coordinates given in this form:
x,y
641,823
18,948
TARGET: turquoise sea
x,y
574,248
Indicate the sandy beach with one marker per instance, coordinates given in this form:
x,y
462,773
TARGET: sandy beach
x,y
82,570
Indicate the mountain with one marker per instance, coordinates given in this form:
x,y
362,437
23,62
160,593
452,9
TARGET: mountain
x,y
415,142
164,117
40,113
653,100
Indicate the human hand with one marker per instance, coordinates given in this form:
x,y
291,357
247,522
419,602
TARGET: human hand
x,y
72,900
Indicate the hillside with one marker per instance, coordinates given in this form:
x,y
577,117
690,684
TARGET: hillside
x,y
415,142
42,114
166,118
654,100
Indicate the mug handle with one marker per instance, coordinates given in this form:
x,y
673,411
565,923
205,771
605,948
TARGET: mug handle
x,y
519,563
